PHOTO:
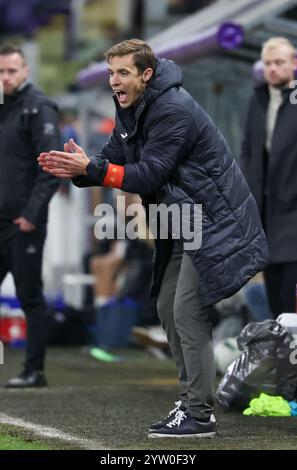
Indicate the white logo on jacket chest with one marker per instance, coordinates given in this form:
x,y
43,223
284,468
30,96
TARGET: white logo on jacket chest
x,y
124,135
48,128
31,250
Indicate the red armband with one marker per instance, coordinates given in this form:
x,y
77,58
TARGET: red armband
x,y
114,176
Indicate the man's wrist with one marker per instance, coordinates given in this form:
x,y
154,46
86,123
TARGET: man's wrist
x,y
114,176
96,170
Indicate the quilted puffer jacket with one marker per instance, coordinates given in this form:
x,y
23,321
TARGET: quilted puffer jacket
x,y
174,154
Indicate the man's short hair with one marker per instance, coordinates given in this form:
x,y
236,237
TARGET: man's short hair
x,y
142,53
9,48
276,42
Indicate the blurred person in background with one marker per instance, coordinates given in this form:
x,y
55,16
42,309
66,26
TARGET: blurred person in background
x,y
29,124
122,270
167,149
269,162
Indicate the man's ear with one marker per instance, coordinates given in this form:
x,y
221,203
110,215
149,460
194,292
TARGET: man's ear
x,y
147,74
27,70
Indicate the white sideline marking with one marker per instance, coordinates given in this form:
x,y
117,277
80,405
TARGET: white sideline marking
x,y
49,432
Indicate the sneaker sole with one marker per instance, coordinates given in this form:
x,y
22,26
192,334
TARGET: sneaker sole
x,y
13,385
201,435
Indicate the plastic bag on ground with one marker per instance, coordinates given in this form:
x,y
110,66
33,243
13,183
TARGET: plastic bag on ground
x,y
264,365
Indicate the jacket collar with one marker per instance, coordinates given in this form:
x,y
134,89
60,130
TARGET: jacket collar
x,y
262,92
10,100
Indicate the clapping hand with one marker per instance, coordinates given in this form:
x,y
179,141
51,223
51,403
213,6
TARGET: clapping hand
x,y
68,164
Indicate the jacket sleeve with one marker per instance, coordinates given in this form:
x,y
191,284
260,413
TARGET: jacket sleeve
x,y
111,152
170,138
45,136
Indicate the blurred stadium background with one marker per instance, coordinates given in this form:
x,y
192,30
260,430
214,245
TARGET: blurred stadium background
x,y
217,43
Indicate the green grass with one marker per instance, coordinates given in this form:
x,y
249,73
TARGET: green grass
x,y
17,438
8,442
113,403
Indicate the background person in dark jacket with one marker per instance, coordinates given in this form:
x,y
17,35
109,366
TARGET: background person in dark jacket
x,y
269,162
167,149
28,124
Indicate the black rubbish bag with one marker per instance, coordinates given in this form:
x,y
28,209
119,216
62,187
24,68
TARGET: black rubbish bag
x,y
265,365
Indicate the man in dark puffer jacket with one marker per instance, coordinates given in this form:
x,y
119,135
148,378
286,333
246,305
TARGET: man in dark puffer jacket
x,y
167,149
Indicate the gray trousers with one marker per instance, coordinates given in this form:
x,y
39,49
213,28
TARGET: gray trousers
x,y
189,333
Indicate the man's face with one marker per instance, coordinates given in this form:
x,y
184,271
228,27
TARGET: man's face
x,y
279,66
13,72
126,81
